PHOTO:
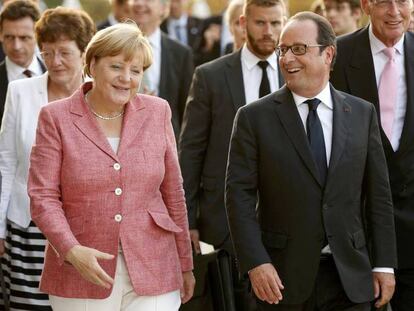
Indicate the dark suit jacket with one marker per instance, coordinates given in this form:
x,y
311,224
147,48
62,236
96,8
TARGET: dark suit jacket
x,y
271,168
4,82
354,73
194,32
104,24
216,93
176,71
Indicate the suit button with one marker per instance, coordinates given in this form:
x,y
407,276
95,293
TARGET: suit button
x,y
118,191
118,218
117,166
325,206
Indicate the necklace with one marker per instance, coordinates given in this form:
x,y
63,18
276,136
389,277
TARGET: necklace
x,y
101,116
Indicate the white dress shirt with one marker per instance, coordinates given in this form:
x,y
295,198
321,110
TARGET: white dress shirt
x,y
153,73
252,74
15,72
180,25
380,59
325,114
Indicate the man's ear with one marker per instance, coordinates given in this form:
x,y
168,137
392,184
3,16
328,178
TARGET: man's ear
x,y
242,21
366,7
330,52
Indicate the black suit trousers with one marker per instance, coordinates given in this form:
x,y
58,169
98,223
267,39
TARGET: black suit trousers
x,y
328,293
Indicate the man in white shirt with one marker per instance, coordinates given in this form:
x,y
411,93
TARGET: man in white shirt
x,y
17,21
218,89
306,170
169,76
376,63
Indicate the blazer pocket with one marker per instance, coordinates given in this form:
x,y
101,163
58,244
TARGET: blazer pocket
x,y
274,240
164,221
209,183
358,239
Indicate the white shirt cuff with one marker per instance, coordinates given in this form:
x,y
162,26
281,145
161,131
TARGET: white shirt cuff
x,y
383,270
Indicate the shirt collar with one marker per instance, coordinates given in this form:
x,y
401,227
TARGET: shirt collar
x,y
251,60
155,39
182,21
324,96
377,46
16,70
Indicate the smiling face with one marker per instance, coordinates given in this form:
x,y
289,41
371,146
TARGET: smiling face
x,y
390,21
116,79
305,75
148,14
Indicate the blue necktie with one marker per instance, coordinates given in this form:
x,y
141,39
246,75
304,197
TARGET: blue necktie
x,y
315,138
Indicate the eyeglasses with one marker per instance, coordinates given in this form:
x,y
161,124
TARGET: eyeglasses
x,y
64,54
297,49
385,3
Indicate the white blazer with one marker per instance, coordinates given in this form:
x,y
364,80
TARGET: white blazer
x,y
24,100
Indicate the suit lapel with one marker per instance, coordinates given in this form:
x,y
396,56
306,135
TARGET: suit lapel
x,y
341,110
234,78
165,64
407,135
288,114
86,123
361,72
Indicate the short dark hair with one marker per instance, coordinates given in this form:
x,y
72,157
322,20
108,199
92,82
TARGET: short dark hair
x,y
354,4
69,23
326,35
263,3
18,9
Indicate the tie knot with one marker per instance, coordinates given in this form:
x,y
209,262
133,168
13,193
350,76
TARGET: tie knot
x,y
313,104
263,64
27,73
389,52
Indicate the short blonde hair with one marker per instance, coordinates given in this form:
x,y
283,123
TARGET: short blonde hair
x,y
231,9
122,38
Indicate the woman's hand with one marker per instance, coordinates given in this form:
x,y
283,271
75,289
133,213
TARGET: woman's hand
x,y
187,290
85,260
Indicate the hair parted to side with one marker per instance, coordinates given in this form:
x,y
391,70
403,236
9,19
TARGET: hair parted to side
x,y
65,23
122,38
263,3
354,4
18,9
326,35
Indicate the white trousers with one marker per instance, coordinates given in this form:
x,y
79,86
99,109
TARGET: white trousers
x,y
122,298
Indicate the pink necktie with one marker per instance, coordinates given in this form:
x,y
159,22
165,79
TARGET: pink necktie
x,y
388,88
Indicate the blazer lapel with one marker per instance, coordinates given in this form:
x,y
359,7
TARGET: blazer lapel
x,y
288,114
134,118
341,110
86,123
234,78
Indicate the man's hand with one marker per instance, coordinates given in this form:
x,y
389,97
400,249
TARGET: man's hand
x,y
211,35
195,240
187,290
384,286
85,260
2,249
266,283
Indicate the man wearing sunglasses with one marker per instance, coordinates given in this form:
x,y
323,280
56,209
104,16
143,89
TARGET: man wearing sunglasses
x,y
376,63
307,186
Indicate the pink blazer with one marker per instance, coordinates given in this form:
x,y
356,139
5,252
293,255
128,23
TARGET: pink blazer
x,y
83,193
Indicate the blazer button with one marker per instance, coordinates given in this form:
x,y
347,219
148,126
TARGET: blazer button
x,y
117,166
325,206
118,218
118,191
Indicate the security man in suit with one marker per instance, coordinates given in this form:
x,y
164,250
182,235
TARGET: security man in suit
x,y
17,21
218,89
376,63
169,77
304,163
